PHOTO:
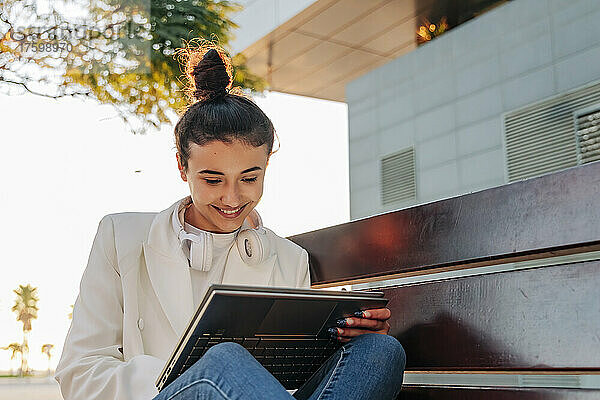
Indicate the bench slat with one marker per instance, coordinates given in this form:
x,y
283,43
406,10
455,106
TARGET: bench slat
x,y
441,393
552,214
537,319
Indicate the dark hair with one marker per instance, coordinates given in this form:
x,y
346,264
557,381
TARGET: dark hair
x,y
219,112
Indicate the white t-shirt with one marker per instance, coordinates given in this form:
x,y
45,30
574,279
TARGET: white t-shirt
x,y
201,280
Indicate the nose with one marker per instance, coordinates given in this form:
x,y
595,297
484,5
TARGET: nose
x,y
231,195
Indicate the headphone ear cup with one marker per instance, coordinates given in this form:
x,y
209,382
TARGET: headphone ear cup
x,y
201,253
253,246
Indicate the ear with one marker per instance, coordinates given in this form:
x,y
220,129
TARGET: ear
x,y
181,169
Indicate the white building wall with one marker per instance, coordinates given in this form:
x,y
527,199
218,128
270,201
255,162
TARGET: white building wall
x,y
447,98
260,17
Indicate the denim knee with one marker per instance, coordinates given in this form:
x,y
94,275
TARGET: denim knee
x,y
382,347
221,356
226,350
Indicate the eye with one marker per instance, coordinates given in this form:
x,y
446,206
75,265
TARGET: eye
x,y
212,181
249,180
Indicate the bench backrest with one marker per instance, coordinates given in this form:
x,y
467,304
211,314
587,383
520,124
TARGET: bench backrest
x,y
503,282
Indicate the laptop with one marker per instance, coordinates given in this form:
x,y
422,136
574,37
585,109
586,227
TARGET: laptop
x,y
285,329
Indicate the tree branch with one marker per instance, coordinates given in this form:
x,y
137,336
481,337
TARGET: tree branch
x,y
58,96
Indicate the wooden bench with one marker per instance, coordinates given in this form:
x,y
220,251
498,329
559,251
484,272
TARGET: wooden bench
x,y
495,285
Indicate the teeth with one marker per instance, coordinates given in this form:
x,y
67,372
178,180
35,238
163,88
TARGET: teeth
x,y
230,212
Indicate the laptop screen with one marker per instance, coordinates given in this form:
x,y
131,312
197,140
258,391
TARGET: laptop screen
x,y
295,317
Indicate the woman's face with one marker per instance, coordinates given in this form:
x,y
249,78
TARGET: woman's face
x,y
226,183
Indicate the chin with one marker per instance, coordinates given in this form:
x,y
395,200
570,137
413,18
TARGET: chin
x,y
229,225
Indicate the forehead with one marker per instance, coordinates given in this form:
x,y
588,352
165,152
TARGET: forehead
x,y
227,157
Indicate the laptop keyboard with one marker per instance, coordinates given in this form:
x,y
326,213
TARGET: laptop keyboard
x,y
290,360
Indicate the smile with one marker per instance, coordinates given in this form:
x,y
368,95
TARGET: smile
x,y
230,213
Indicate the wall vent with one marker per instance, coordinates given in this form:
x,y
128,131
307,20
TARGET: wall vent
x,y
398,177
587,130
541,138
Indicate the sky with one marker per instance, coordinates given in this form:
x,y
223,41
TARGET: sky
x,y
66,163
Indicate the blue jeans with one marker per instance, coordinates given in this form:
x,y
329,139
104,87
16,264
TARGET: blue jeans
x,y
370,366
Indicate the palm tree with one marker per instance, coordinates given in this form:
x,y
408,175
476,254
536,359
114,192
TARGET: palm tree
x,y
16,349
26,309
46,349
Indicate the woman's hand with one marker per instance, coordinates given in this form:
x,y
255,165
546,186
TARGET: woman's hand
x,y
372,321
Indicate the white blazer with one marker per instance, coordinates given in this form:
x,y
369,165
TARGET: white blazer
x,y
136,299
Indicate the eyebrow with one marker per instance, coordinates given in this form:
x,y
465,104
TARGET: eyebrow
x,y
208,171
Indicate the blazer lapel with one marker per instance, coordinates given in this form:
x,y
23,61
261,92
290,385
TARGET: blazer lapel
x,y
169,271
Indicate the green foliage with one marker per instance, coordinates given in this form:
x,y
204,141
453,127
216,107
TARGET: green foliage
x,y
26,309
14,348
121,55
47,349
26,305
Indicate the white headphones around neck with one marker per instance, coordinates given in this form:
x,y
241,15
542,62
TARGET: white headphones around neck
x,y
251,241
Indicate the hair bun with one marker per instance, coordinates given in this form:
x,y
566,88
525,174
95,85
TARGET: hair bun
x,y
208,70
210,77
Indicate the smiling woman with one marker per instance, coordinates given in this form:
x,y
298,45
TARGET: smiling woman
x,y
147,272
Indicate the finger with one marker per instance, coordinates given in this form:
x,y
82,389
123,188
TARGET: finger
x,y
381,314
353,332
334,333
372,324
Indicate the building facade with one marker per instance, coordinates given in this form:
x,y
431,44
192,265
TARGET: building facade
x,y
509,93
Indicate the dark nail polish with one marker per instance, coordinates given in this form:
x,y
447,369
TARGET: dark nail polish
x,y
359,314
333,332
341,322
